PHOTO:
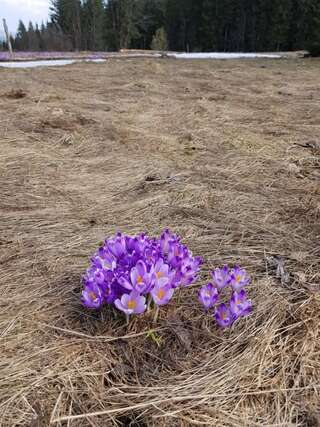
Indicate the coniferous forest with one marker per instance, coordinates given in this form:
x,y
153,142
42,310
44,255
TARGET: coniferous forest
x,y
179,25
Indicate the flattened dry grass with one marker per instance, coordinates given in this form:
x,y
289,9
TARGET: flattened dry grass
x,y
217,151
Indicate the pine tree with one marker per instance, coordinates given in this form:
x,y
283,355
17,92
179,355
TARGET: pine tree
x,y
40,33
122,19
128,23
22,40
33,40
111,26
92,16
149,18
313,28
66,15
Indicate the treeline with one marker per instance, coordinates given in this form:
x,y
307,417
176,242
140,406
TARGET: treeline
x,y
181,25
47,37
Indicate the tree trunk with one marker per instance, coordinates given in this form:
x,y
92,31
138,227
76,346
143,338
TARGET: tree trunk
x,y
8,36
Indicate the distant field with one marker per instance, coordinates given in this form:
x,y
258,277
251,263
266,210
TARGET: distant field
x,y
226,154
124,53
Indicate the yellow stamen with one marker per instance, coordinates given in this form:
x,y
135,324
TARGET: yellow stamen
x,y
139,279
92,296
132,304
161,293
238,278
159,274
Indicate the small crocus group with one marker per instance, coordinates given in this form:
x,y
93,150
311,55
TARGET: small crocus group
x,y
132,271
239,306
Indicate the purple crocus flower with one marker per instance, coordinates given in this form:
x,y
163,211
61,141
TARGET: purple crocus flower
x,y
132,303
221,277
92,295
208,295
151,255
161,272
224,316
239,304
109,293
176,253
239,278
130,243
189,270
105,260
136,244
161,295
165,239
117,246
140,278
98,276
127,264
141,242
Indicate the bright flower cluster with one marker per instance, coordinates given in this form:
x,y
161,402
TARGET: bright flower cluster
x,y
239,305
132,271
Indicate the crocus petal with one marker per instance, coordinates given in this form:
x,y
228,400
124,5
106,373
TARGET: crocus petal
x,y
239,304
141,268
125,299
92,296
163,281
140,287
208,296
134,275
141,305
221,277
159,264
125,283
247,308
239,278
119,305
162,295
223,316
164,270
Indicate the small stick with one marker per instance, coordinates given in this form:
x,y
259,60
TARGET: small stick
x,y
156,314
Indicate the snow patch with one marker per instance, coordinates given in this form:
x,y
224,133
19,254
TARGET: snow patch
x,y
222,55
45,63
98,60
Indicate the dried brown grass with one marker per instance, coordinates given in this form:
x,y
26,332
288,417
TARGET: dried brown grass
x,y
206,148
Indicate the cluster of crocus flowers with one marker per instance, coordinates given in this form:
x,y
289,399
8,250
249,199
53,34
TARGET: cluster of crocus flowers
x,y
238,306
131,272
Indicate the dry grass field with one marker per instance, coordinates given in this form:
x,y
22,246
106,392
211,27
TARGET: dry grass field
x,y
225,153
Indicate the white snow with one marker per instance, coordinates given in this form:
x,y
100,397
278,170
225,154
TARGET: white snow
x,y
209,55
98,60
135,55
221,55
40,63
45,63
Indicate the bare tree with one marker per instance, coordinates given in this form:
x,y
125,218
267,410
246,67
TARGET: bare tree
x,y
6,30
